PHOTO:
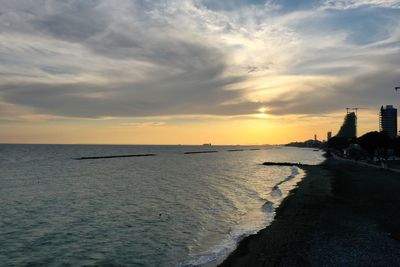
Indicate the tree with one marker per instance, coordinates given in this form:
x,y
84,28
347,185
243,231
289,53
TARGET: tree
x,y
375,141
397,146
338,143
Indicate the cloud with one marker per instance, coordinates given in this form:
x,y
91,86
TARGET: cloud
x,y
194,93
101,58
369,90
229,5
351,4
144,124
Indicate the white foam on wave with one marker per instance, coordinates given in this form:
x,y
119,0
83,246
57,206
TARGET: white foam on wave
x,y
294,172
281,189
218,253
221,251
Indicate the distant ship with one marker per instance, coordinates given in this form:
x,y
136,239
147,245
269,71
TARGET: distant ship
x,y
209,144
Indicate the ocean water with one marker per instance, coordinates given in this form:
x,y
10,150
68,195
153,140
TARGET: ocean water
x,y
169,210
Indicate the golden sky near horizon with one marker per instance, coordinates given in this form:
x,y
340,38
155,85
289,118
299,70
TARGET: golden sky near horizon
x,y
256,130
194,71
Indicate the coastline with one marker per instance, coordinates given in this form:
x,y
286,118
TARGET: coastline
x,y
278,194
341,214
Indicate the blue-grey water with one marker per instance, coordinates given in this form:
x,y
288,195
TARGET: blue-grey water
x,y
169,210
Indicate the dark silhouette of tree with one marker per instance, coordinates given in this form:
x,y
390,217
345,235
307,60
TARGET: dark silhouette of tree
x,y
375,141
397,146
338,143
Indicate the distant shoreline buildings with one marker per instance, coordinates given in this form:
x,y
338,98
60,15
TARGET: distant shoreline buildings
x,y
387,123
349,126
348,130
328,136
388,120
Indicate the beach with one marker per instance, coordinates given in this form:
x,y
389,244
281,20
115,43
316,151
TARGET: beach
x,y
341,214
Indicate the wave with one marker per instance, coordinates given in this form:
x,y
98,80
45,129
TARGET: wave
x,y
276,192
293,174
229,244
217,254
221,251
268,207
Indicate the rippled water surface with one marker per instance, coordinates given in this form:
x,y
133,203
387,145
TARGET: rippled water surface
x,y
169,210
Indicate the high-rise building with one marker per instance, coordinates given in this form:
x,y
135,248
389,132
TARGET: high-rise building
x,y
349,126
388,120
329,136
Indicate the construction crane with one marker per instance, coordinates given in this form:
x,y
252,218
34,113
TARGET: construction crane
x,y
355,109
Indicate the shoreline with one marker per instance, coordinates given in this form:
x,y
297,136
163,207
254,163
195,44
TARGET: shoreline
x,y
220,252
340,214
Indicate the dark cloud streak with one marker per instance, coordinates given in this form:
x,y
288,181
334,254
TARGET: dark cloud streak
x,y
188,96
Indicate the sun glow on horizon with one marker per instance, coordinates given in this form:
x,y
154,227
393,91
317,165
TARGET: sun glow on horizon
x,y
261,114
124,72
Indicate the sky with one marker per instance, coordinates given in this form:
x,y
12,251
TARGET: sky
x,y
193,71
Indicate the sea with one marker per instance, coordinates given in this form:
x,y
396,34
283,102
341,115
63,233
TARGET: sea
x,y
172,209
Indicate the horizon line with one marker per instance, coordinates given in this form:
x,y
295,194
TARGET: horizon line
x,y
110,144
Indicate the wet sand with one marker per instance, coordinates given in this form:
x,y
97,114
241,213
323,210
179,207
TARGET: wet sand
x,y
341,214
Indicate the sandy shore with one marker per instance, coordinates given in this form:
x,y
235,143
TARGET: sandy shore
x,y
340,215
